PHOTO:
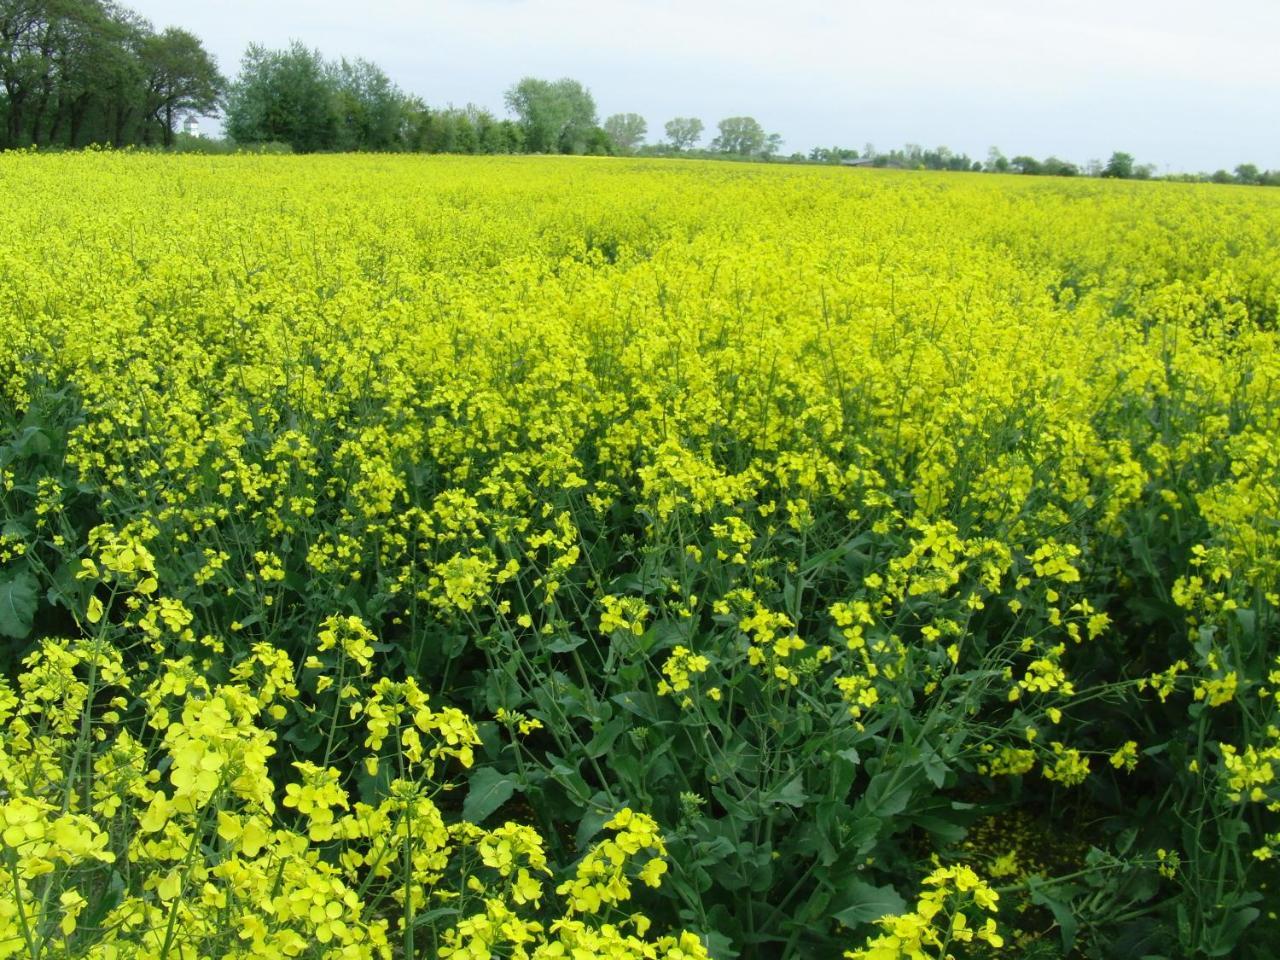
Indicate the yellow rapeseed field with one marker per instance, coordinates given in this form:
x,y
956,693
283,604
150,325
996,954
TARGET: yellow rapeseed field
x,y
554,557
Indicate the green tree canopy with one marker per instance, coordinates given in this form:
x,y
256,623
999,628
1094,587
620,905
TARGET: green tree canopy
x,y
74,72
742,136
1120,166
181,76
1025,164
371,110
626,130
1248,173
683,132
1055,167
286,96
556,116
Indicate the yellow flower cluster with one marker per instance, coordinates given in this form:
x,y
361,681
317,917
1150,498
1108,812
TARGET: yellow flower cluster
x,y
679,666
896,473
956,907
220,860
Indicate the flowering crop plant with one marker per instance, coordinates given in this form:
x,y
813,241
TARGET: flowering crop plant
x,y
410,557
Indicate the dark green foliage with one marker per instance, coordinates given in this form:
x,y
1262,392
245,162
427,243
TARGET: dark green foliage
x,y
683,132
284,95
1120,166
75,72
740,136
556,116
626,130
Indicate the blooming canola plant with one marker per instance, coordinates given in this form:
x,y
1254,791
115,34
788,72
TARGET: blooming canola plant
x,y
557,557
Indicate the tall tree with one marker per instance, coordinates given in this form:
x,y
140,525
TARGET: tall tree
x,y
556,116
683,132
1119,166
34,37
121,82
626,130
371,110
1054,167
741,136
97,41
1024,164
1248,173
181,76
283,95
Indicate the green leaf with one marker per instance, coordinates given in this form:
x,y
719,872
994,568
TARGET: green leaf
x,y
844,769
940,828
593,820
935,768
1060,907
566,644
306,737
18,605
713,851
643,705
1248,620
604,739
721,945
33,441
487,791
790,794
1222,940
566,773
887,798
824,559
663,635
870,903
863,834
15,529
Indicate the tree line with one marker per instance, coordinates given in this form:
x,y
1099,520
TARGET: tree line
x,y
75,72
80,72
295,96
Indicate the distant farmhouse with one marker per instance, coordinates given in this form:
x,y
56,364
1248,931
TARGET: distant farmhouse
x,y
859,162
191,127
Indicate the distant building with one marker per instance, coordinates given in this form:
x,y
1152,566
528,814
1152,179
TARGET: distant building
x,y
191,127
859,162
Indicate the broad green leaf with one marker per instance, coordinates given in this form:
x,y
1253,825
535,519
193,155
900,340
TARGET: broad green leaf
x,y
487,791
18,605
869,903
593,820
566,643
604,739
1058,903
790,794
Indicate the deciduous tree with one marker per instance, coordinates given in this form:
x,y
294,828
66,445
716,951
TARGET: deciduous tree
x,y
741,136
626,130
1120,166
683,132
285,96
556,116
181,76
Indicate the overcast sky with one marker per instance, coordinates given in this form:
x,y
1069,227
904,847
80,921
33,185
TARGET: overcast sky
x,y
1184,85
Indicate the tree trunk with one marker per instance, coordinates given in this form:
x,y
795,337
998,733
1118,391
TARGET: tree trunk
x,y
78,110
121,117
59,116
14,126
46,86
